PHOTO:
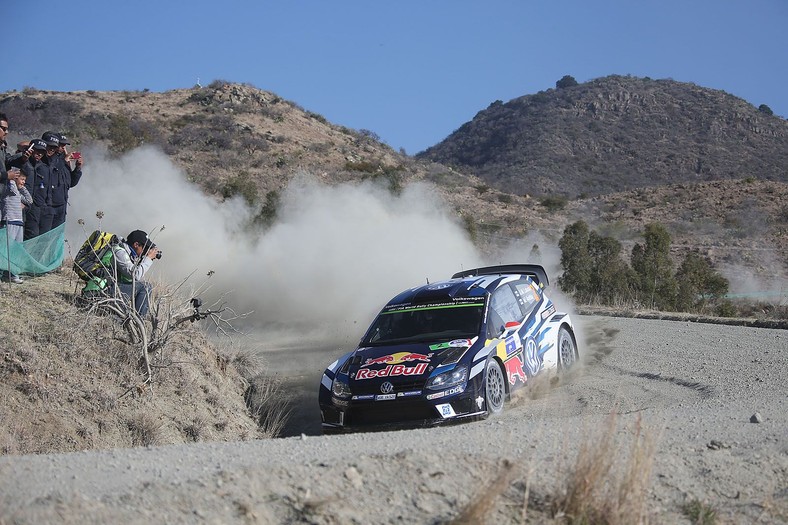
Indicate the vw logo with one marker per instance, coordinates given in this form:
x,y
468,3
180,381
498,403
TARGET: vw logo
x,y
386,387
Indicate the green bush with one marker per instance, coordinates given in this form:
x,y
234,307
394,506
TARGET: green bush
x,y
554,202
241,184
269,211
121,136
763,108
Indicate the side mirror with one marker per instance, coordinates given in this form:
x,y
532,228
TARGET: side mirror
x,y
508,326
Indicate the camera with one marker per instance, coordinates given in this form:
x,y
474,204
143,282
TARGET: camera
x,y
158,254
76,155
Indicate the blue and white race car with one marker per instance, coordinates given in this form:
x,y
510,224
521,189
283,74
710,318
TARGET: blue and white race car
x,y
449,350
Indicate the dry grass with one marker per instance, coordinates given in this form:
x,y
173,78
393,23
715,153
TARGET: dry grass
x,y
606,486
699,513
478,510
72,381
268,404
145,429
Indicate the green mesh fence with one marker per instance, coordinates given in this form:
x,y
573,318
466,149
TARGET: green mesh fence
x,y
36,256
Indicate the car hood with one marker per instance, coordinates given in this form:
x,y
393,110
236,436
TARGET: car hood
x,y
404,362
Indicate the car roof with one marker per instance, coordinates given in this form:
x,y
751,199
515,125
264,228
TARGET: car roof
x,y
469,285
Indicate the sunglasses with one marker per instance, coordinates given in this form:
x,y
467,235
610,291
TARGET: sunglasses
x,y
4,128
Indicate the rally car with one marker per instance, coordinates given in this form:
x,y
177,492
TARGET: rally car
x,y
448,351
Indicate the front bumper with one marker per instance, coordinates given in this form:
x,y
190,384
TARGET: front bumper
x,y
353,415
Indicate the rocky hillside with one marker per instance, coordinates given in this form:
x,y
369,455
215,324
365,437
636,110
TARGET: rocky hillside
x,y
716,168
615,134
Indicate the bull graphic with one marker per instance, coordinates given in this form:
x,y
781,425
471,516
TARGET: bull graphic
x,y
514,369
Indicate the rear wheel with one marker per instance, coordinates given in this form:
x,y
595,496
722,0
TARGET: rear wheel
x,y
567,350
495,389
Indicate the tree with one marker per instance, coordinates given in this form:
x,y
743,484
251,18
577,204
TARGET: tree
x,y
611,279
575,259
651,262
763,108
698,283
566,82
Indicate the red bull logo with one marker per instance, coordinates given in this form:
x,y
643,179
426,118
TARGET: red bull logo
x,y
395,359
514,369
391,371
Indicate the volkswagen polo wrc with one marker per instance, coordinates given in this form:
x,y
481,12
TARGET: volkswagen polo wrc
x,y
448,351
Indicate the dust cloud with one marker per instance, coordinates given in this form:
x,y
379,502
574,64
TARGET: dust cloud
x,y
335,255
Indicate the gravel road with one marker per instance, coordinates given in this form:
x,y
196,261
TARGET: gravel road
x,y
694,387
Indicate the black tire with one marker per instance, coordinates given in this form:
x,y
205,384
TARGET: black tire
x,y
495,388
567,350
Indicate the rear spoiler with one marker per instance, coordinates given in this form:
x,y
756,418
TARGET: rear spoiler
x,y
534,271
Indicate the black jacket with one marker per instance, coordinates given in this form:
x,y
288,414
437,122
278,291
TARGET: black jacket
x,y
62,179
40,184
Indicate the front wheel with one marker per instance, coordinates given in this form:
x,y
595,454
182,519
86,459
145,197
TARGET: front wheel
x,y
495,389
567,350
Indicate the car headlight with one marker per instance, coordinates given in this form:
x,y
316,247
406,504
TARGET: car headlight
x,y
340,388
452,377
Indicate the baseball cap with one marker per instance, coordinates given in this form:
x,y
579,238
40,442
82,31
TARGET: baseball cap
x,y
64,140
38,144
51,138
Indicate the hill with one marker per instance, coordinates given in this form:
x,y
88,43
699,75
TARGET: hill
x,y
610,138
615,134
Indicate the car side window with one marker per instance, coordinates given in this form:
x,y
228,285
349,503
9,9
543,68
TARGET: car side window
x,y
527,295
504,308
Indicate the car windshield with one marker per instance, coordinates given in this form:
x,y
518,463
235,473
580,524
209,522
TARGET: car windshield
x,y
425,323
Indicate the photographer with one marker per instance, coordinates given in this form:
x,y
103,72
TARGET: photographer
x,y
131,259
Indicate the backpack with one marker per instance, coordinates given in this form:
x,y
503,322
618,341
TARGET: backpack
x,y
94,255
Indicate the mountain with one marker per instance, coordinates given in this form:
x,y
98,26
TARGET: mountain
x,y
623,151
616,134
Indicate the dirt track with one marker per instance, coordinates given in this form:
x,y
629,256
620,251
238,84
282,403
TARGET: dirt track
x,y
693,386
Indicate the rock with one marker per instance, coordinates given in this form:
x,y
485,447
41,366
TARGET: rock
x,y
353,477
756,418
717,445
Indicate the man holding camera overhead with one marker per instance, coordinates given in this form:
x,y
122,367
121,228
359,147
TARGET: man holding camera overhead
x,y
130,260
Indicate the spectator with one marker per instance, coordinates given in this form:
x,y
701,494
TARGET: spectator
x,y
16,196
38,219
3,154
7,160
129,261
64,177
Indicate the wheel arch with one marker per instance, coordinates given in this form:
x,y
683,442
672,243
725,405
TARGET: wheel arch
x,y
569,328
506,385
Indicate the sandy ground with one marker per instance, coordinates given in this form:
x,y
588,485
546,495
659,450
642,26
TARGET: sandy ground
x,y
692,387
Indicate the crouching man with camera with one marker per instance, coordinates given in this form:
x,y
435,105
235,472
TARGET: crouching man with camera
x,y
131,258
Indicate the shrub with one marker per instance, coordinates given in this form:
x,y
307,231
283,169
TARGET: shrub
x,y
121,136
700,513
241,184
763,108
269,211
554,202
366,133
566,82
698,283
505,198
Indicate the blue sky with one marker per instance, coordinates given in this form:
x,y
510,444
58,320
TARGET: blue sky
x,y
411,71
